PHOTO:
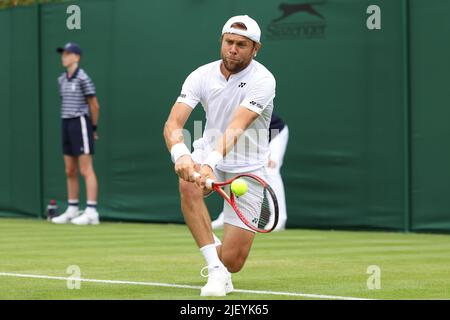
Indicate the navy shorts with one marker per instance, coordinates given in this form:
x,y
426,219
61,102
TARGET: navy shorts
x,y
77,136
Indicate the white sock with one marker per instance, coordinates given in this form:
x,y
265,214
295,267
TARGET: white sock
x,y
210,253
91,207
73,205
72,209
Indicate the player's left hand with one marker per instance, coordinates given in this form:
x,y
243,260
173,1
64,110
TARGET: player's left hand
x,y
205,173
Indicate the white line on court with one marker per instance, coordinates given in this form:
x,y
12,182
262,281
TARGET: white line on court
x,y
183,286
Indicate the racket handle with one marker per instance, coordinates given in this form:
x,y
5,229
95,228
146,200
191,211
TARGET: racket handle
x,y
209,182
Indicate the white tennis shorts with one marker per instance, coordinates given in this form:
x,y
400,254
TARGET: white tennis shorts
x,y
230,216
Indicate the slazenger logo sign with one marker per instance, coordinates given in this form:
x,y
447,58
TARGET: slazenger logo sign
x,y
298,21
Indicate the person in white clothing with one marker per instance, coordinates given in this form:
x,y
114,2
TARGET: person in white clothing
x,y
237,95
278,138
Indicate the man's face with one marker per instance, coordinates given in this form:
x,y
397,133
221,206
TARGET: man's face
x,y
237,52
69,58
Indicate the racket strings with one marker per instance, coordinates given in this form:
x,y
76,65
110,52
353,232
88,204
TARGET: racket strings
x,y
256,205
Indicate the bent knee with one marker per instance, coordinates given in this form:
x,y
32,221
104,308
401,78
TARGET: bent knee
x,y
234,263
235,266
190,191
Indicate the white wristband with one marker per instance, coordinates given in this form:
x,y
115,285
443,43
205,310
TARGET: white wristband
x,y
178,150
213,159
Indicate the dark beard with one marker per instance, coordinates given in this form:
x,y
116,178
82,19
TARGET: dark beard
x,y
234,67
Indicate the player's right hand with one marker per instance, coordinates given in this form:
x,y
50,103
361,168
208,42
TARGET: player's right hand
x,y
184,167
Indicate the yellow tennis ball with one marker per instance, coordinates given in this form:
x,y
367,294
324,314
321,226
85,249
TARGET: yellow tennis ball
x,y
239,187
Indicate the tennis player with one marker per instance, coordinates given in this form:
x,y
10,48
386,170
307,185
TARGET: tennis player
x,y
278,139
237,95
78,97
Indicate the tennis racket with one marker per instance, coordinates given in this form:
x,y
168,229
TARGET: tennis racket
x,y
257,208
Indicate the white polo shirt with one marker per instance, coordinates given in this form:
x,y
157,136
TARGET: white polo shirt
x,y
252,88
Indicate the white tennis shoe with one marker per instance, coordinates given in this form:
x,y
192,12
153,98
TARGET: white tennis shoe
x,y
88,217
219,282
66,217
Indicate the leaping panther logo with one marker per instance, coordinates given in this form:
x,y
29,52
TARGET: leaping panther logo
x,y
289,9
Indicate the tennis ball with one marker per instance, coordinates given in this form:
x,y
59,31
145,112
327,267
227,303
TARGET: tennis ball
x,y
239,187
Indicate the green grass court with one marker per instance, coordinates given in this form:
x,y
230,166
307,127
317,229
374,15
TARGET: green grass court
x,y
330,263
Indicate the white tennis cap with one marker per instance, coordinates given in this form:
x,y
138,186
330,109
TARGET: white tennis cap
x,y
253,31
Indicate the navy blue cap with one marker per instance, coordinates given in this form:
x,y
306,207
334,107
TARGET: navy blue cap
x,y
70,47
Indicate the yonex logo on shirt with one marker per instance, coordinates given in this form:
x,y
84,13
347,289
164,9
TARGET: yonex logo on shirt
x,y
253,88
253,103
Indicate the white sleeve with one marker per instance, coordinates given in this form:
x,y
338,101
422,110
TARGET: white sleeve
x,y
191,90
260,95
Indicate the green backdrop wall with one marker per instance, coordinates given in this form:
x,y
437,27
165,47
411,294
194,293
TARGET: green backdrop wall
x,y
430,101
20,175
366,109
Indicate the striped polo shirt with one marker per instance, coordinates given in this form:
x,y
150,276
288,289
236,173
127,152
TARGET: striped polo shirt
x,y
73,92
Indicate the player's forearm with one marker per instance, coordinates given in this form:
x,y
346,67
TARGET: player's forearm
x,y
241,121
173,134
224,144
173,128
228,140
